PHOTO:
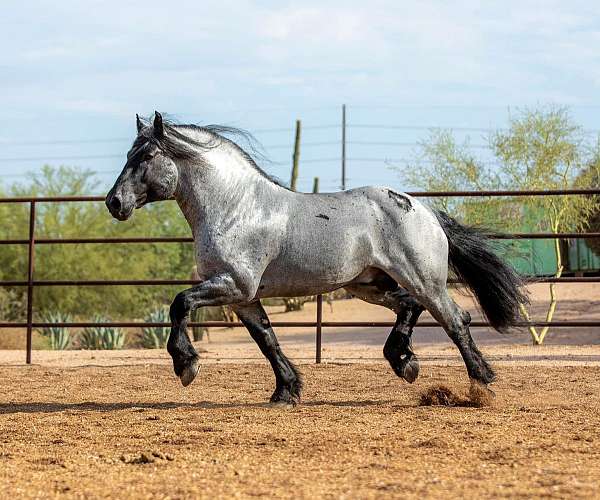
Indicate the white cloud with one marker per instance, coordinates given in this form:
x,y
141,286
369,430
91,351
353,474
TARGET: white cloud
x,y
222,52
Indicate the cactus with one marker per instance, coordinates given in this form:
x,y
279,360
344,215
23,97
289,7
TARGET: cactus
x,y
102,337
58,336
155,337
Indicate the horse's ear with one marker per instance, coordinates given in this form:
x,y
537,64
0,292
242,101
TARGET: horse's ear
x,y
138,122
159,129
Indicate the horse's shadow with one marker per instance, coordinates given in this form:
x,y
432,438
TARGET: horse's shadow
x,y
54,407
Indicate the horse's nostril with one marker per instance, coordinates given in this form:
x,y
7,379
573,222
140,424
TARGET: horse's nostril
x,y
115,203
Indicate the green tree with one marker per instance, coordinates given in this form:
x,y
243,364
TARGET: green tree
x,y
541,149
591,177
92,261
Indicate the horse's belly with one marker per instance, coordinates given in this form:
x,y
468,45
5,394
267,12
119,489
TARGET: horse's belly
x,y
271,285
310,270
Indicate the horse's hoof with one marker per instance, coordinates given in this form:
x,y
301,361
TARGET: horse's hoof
x,y
410,370
284,397
189,373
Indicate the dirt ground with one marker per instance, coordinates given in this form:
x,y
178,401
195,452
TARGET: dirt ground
x,y
131,431
117,424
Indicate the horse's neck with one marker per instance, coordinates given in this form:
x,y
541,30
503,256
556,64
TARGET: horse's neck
x,y
225,186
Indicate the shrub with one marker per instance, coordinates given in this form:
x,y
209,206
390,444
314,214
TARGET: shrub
x,y
155,337
58,336
102,337
11,304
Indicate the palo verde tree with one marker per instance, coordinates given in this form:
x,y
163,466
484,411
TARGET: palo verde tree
x,y
542,149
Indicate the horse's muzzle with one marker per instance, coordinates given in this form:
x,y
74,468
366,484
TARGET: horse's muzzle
x,y
117,208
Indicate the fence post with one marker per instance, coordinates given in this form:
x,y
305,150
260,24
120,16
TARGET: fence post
x,y
296,157
30,279
319,322
343,147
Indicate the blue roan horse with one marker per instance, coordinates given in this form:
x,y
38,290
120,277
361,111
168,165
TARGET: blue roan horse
x,y
254,239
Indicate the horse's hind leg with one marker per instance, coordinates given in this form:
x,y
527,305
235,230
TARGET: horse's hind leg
x,y
456,323
398,346
288,382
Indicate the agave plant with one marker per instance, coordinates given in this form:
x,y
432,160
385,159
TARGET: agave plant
x,y
155,337
101,337
58,336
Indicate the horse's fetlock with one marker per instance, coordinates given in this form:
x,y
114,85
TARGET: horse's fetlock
x,y
389,352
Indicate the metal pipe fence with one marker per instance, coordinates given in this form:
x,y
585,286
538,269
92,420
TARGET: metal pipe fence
x,y
31,283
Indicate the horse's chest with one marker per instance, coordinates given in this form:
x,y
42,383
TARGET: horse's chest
x,y
220,251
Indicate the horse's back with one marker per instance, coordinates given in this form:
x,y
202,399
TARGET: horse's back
x,y
332,238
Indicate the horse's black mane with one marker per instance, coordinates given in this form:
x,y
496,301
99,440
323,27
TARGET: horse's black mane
x,y
182,147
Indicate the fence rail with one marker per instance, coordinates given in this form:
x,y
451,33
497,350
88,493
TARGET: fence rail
x,y
319,324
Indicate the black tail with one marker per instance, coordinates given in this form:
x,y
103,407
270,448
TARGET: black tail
x,y
496,285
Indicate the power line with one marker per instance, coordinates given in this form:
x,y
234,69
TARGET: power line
x,y
405,144
416,161
65,141
61,158
290,129
129,139
421,127
274,163
262,110
304,145
27,174
437,127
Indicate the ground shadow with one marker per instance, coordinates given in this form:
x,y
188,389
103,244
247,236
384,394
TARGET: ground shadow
x,y
53,407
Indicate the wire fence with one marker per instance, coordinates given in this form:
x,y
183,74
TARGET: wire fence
x,y
348,144
31,283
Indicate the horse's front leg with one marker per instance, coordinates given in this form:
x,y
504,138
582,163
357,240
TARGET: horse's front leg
x,y
288,381
217,291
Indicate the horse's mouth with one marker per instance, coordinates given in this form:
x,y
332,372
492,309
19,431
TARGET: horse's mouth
x,y
141,200
122,215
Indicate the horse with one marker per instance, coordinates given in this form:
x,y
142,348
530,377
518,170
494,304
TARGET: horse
x,y
254,239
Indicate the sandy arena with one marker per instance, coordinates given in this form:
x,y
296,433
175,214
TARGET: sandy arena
x,y
118,424
133,431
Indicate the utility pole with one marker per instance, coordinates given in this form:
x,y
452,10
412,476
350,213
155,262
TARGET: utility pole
x,y
343,147
296,157
316,185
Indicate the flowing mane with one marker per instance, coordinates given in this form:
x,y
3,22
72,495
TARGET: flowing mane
x,y
180,146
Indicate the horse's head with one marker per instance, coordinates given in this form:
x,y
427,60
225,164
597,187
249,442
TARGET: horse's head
x,y
149,173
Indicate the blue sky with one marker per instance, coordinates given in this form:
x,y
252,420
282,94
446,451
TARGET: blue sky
x,y
79,71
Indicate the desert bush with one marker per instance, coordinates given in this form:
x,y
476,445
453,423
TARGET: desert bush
x,y
155,337
12,306
58,337
295,303
76,220
102,337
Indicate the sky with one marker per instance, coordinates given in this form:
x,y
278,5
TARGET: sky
x,y
74,73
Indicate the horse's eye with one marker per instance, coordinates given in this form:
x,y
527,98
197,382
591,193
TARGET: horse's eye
x,y
147,157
